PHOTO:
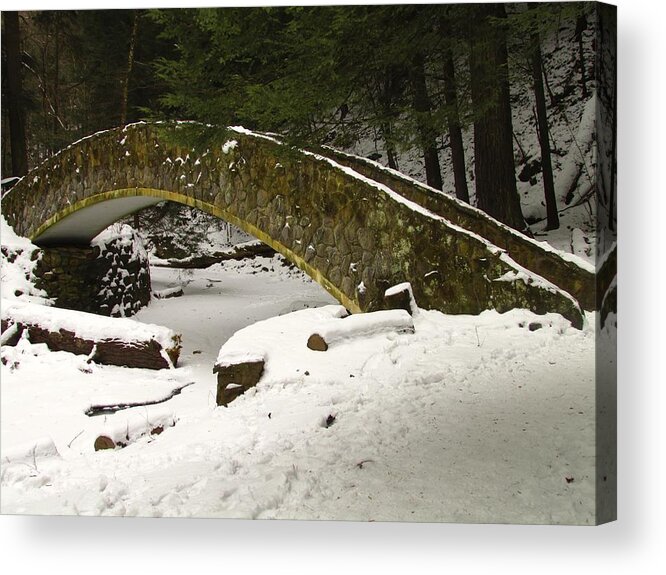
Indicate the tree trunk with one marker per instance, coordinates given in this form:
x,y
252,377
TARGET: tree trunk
x,y
494,169
390,147
12,38
387,96
613,174
130,65
581,25
56,78
453,119
544,140
425,131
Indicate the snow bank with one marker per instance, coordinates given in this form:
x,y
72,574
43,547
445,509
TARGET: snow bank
x,y
406,412
18,266
261,341
31,451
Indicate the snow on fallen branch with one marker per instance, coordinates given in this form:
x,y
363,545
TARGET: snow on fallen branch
x,y
107,340
108,408
360,325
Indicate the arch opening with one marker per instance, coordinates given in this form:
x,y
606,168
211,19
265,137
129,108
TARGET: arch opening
x,y
81,221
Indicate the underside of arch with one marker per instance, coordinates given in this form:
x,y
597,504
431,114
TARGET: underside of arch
x,y
81,221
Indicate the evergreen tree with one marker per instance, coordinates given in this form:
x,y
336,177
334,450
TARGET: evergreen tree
x,y
12,85
496,192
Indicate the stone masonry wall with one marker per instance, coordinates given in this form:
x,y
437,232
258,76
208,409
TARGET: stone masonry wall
x,y
109,278
354,237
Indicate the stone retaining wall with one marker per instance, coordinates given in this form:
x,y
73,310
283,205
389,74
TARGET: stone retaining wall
x,y
111,278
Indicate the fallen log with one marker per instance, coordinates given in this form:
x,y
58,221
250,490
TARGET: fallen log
x,y
122,432
401,297
360,325
236,373
107,340
249,250
109,408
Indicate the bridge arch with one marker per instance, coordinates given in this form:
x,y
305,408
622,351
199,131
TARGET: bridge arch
x,y
354,236
80,222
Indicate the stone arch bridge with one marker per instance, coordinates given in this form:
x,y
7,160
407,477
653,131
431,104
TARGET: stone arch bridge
x,y
356,228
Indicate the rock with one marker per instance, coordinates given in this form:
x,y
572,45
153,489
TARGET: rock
x,y
169,293
530,169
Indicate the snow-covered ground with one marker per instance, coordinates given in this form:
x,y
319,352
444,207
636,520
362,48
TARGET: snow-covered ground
x,y
474,419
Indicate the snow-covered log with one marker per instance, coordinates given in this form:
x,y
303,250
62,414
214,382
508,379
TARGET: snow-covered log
x,y
247,250
112,341
360,325
236,373
120,433
401,297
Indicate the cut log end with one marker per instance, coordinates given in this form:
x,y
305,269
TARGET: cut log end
x,y
401,297
317,343
104,442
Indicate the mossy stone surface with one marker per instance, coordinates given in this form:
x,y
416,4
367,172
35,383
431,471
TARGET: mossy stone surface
x,y
262,187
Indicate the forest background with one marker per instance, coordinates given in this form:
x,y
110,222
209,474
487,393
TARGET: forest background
x,y
446,83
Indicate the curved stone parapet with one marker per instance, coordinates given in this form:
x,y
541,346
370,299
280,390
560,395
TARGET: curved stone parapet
x,y
354,236
569,272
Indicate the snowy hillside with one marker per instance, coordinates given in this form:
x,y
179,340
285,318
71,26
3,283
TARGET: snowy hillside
x,y
571,121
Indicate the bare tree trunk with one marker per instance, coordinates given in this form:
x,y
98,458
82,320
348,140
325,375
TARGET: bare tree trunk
x,y
390,147
581,25
56,78
130,65
425,132
56,82
544,140
453,119
12,40
494,169
387,94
